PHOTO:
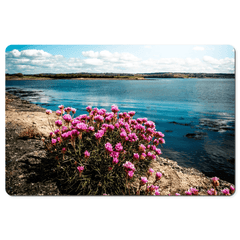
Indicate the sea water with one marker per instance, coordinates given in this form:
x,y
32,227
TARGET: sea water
x,y
196,115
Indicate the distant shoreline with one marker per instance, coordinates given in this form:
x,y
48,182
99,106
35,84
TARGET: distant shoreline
x,y
125,79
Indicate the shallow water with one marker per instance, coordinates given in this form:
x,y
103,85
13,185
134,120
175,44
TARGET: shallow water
x,y
202,109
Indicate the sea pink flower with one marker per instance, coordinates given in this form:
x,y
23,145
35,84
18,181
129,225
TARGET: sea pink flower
x,y
114,109
68,109
115,160
159,134
86,154
225,191
143,181
188,192
158,151
51,133
81,127
130,174
150,171
58,123
158,176
215,181
56,131
141,148
142,157
91,128
194,191
67,117
64,128
232,189
61,107
99,134
114,154
161,140
119,147
89,108
152,188
99,118
108,147
132,113
64,150
75,133
73,110
132,137
177,194
111,127
80,169
110,168
123,134
212,192
157,193
136,156
54,141
58,112
129,166
48,112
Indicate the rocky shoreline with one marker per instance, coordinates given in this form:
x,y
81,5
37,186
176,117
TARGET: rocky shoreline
x,y
29,172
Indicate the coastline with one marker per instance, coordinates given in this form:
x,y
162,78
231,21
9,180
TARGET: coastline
x,y
28,171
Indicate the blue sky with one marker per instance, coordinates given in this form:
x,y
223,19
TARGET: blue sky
x,y
119,58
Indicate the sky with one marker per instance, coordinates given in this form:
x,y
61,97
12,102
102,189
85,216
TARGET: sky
x,y
34,59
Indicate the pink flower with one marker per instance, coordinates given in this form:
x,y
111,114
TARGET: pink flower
x,y
89,108
142,157
99,134
64,128
114,154
141,148
73,110
81,127
119,147
48,112
51,133
177,194
54,141
214,179
58,123
80,169
188,192
143,181
129,166
161,140
61,107
123,134
86,154
58,112
91,128
64,150
232,189
158,176
56,131
67,117
108,147
99,118
111,127
136,156
212,192
158,151
130,174
68,109
159,134
157,193
114,109
131,114
194,191
115,160
225,191
150,171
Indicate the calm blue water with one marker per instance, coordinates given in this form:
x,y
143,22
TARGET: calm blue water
x,y
202,108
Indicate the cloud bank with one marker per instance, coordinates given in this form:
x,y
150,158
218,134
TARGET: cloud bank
x,y
38,61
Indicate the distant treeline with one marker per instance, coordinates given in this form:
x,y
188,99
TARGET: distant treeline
x,y
122,75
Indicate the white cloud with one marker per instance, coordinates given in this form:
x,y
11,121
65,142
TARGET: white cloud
x,y
198,48
39,61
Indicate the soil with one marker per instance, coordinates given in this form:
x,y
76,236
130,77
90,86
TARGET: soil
x,y
29,172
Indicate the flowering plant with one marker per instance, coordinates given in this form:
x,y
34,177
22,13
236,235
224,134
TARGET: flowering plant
x,y
103,152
